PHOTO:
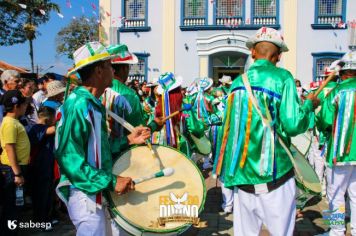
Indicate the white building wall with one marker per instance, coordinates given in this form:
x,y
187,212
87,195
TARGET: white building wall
x,y
311,40
308,40
146,42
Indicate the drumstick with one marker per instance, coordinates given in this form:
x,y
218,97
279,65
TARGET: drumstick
x,y
165,172
130,128
330,77
186,107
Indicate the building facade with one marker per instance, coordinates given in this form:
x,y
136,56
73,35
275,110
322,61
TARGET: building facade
x,y
198,38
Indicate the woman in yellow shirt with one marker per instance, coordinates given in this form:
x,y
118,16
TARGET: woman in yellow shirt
x,y
15,154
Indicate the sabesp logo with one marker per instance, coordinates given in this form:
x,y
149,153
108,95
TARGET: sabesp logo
x,y
12,224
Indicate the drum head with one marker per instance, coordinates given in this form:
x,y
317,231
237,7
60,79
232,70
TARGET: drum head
x,y
141,208
307,181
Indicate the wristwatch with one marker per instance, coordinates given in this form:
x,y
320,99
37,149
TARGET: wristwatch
x,y
18,175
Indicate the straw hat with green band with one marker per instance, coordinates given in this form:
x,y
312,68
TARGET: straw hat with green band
x,y
122,54
88,54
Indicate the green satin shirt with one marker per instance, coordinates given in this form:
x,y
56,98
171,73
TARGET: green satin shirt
x,y
337,119
74,146
275,91
134,115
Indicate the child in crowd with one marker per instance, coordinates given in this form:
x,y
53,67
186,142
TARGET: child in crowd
x,y
15,155
41,136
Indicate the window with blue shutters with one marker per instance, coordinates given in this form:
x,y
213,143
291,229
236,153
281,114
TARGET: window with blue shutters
x,y
139,71
330,14
229,12
321,61
265,12
135,15
195,12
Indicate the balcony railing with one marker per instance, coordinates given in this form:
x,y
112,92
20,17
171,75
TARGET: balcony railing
x,y
264,20
229,21
140,78
134,23
329,19
193,21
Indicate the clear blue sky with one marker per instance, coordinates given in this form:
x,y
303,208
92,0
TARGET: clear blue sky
x,y
44,45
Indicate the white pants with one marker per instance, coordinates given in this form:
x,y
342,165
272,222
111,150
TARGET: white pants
x,y
276,210
339,180
228,198
315,159
89,219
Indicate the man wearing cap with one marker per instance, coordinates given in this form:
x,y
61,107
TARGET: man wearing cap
x,y
251,159
82,147
337,118
121,99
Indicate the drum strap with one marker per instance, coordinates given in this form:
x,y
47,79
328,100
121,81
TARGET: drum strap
x,y
267,121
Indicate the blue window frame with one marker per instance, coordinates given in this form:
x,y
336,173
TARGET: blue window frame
x,y
229,12
322,60
194,12
265,12
135,13
330,14
139,71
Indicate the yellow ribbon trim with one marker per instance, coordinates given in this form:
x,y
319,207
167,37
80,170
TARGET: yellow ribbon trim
x,y
248,132
226,132
91,59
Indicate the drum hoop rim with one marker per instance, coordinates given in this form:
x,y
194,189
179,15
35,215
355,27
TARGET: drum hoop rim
x,y
308,149
305,189
199,149
299,182
201,208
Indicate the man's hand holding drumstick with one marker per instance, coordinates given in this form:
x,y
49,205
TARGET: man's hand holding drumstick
x,y
124,185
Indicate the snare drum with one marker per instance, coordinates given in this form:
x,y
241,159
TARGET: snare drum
x,y
141,212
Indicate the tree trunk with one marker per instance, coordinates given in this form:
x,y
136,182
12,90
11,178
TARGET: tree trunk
x,y
31,55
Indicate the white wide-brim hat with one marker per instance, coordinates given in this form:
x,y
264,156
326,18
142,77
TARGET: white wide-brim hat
x,y
122,54
330,69
266,34
226,79
88,54
54,88
205,83
192,89
350,61
168,82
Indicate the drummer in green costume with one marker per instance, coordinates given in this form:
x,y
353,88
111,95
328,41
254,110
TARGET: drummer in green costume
x,y
82,147
123,100
250,158
338,117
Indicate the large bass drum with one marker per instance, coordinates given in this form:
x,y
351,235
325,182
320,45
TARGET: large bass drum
x,y
164,199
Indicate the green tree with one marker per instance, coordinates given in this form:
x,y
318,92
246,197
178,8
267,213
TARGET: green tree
x,y
78,32
20,22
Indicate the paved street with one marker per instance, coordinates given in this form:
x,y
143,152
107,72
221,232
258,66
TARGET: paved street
x,y
218,222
